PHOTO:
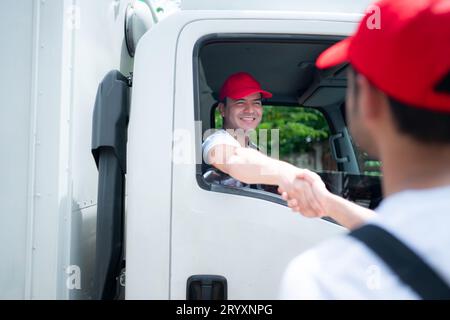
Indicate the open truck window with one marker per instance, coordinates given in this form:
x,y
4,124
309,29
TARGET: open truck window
x,y
307,109
300,135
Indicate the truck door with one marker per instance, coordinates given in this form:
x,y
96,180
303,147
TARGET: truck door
x,y
244,236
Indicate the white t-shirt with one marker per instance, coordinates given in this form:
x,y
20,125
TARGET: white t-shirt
x,y
213,175
217,138
344,268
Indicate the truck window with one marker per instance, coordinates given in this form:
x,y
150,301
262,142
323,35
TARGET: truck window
x,y
307,110
304,140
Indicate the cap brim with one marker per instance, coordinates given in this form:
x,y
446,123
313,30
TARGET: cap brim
x,y
266,94
334,55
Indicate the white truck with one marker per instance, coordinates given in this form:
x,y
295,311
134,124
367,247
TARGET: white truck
x,y
74,230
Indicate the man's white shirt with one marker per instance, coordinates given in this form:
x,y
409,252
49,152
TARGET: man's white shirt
x,y
344,268
220,137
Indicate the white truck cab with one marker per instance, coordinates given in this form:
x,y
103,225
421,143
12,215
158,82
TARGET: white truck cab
x,y
161,230
178,226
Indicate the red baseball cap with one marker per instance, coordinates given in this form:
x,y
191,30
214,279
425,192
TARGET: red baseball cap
x,y
403,48
240,85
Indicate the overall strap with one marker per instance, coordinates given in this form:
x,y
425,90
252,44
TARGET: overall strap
x,y
404,262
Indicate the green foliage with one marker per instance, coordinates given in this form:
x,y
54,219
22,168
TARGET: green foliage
x,y
298,127
372,168
218,119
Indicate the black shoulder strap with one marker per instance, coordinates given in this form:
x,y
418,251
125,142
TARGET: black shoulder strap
x,y
409,267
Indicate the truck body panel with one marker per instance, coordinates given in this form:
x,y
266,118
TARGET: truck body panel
x,y
59,51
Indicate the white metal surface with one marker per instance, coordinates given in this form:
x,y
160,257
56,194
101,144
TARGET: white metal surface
x,y
38,197
15,135
170,238
54,55
350,6
149,163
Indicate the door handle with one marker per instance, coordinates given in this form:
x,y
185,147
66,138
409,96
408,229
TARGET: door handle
x,y
333,139
206,287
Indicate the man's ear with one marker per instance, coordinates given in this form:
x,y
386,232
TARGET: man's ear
x,y
221,108
371,101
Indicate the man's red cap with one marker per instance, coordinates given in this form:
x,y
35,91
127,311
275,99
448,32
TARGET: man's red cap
x,y
403,48
240,85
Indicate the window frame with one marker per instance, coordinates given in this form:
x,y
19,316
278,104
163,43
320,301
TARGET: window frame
x,y
264,38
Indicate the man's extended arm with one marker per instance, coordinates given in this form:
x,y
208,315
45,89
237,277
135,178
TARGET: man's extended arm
x,y
251,166
304,190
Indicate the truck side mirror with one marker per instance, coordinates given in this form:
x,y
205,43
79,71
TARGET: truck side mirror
x,y
138,20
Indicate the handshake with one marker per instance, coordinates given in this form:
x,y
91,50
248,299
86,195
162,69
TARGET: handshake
x,y
306,193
